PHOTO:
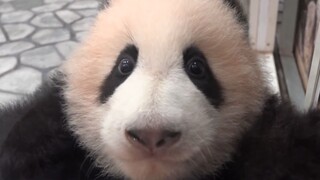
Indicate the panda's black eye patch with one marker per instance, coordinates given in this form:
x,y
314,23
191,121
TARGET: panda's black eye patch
x,y
199,72
124,66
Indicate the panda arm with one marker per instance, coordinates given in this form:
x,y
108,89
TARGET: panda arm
x,y
283,144
38,146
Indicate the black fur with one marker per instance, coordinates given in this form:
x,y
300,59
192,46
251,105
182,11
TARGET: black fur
x,y
282,145
37,146
103,4
240,15
208,85
115,78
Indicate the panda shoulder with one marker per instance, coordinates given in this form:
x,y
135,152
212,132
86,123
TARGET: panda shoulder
x,y
35,141
283,142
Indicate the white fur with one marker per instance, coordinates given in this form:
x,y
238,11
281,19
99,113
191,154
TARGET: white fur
x,y
147,101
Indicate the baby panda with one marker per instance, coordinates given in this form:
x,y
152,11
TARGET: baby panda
x,y
160,90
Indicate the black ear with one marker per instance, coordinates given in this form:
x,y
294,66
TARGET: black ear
x,y
103,4
236,5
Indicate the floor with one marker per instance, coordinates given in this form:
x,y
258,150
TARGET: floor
x,y
36,36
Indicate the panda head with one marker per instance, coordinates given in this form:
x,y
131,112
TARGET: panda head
x,y
163,89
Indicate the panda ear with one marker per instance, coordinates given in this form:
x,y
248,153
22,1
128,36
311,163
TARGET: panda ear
x,y
104,4
238,8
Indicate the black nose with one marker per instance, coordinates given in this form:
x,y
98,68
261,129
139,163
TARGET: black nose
x,y
152,139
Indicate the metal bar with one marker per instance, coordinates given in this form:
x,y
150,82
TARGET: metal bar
x,y
285,38
288,26
253,22
312,94
263,22
293,80
264,13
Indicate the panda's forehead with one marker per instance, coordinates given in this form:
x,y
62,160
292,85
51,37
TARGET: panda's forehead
x,y
232,4
165,31
158,31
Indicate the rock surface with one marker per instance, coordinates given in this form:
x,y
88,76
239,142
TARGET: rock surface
x,y
35,37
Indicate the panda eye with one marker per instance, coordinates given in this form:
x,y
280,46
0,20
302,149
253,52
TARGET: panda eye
x,y
195,67
126,65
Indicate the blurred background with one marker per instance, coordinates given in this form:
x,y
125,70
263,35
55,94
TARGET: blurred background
x,y
36,36
287,37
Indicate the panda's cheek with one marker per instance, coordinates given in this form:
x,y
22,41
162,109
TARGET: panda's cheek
x,y
113,127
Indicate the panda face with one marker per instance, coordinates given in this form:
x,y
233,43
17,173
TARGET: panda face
x,y
153,116
163,89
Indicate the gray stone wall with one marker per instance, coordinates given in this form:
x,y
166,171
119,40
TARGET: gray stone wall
x,y
36,36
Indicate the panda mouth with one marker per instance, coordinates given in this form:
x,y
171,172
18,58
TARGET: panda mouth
x,y
173,155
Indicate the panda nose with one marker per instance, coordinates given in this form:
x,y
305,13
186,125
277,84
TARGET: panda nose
x,y
152,139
